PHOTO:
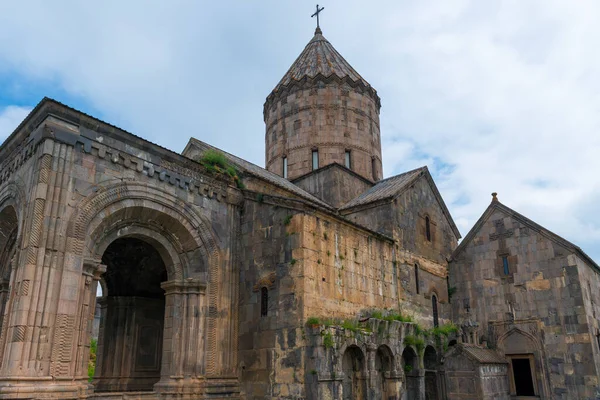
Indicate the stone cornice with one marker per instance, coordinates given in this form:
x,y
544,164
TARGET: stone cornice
x,y
309,107
172,169
319,81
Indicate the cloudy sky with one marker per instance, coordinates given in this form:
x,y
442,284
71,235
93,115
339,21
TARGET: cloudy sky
x,y
492,96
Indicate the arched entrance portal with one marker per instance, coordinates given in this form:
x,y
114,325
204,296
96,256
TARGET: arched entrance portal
x,y
353,365
132,322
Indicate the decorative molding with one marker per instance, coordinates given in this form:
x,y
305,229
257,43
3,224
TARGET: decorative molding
x,y
311,107
319,81
267,281
16,159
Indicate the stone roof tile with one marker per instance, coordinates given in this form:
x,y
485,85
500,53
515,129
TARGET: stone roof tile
x,y
320,57
386,188
482,355
253,169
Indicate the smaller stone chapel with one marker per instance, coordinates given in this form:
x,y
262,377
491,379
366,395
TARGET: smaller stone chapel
x,y
311,278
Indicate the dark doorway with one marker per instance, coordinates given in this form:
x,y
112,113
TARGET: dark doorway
x,y
410,364
354,384
430,363
132,319
523,378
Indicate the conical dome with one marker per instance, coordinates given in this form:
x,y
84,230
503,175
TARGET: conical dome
x,y
320,59
322,112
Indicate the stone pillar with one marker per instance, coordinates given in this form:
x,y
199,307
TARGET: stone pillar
x,y
92,269
420,381
372,376
393,385
39,348
183,359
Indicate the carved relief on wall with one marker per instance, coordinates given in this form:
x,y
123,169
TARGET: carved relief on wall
x,y
267,281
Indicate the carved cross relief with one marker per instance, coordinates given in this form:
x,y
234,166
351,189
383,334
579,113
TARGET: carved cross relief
x,y
505,263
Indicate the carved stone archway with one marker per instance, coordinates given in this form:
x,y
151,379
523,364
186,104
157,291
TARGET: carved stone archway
x,y
186,243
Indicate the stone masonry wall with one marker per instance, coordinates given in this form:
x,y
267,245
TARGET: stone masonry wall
x,y
270,346
589,280
537,307
334,185
329,118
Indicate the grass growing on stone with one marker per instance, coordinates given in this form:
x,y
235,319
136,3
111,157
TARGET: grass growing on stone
x,y
92,361
215,162
313,321
415,341
390,316
287,220
445,330
328,340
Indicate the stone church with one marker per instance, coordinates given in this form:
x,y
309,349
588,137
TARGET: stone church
x,y
311,278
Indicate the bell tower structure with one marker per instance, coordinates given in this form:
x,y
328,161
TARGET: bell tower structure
x,y
322,112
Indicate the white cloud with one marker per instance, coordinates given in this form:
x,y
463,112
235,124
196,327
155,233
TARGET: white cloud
x,y
493,96
10,118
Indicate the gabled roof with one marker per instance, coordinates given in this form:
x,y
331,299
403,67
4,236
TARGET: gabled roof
x,y
329,166
482,355
385,188
496,205
254,170
392,187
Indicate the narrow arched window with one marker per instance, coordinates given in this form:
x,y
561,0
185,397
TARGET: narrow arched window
x,y
434,310
417,278
374,168
428,229
264,301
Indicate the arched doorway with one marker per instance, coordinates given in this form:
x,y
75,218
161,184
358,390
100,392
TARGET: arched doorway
x,y
132,317
430,363
9,228
410,365
523,354
353,365
384,362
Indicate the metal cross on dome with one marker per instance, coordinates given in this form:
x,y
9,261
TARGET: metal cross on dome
x,y
317,14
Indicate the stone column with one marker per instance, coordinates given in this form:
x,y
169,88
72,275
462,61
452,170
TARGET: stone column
x,y
393,385
420,382
92,270
183,358
40,341
373,386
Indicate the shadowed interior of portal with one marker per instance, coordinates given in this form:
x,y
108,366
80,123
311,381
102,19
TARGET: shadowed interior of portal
x,y
132,321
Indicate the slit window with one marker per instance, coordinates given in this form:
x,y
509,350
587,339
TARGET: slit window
x,y
264,302
505,265
374,168
417,278
434,310
315,159
428,229
347,159
285,167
